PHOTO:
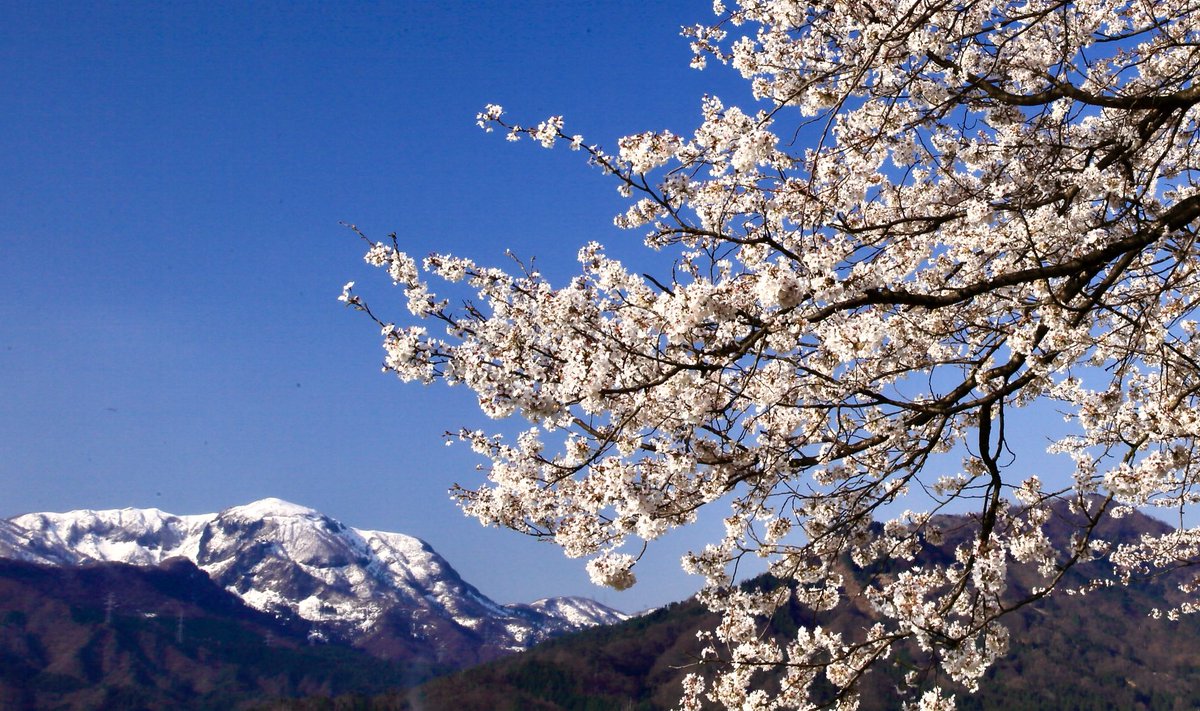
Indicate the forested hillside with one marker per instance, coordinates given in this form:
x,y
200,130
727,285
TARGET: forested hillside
x,y
118,636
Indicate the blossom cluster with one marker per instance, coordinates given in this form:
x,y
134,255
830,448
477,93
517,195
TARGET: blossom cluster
x,y
998,206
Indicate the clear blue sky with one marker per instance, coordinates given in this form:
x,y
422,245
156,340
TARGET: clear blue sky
x,y
170,255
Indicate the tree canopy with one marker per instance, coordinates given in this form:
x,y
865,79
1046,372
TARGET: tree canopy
x,y
997,207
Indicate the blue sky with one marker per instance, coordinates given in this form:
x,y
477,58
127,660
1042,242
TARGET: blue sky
x,y
170,255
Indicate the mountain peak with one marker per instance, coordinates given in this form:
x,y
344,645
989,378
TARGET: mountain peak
x,y
270,507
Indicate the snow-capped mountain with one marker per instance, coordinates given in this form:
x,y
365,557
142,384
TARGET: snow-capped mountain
x,y
578,611
387,592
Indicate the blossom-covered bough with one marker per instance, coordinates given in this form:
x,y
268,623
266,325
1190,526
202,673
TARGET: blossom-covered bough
x,y
936,214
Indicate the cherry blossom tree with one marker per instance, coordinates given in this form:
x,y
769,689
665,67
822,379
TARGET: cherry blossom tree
x,y
935,215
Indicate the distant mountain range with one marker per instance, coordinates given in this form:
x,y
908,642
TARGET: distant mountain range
x,y
387,593
76,633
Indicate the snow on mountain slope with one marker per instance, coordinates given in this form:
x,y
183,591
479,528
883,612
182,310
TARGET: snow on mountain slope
x,y
136,536
32,546
578,611
351,584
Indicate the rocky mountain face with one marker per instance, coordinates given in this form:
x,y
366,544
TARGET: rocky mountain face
x,y
387,593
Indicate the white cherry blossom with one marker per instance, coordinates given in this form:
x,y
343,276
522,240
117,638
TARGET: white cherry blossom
x,y
934,216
